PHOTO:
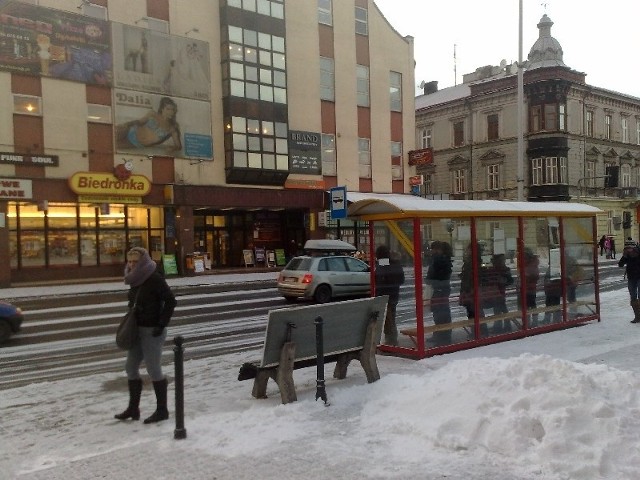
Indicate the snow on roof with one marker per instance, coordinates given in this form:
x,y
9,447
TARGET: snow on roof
x,y
399,205
443,96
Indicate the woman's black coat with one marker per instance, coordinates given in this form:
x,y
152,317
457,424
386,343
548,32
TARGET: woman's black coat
x,y
155,303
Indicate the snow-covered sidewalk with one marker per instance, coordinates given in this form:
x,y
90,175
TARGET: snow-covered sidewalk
x,y
558,406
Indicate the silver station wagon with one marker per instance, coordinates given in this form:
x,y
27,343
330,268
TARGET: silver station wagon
x,y
325,273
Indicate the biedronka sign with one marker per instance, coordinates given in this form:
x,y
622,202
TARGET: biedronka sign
x,y
108,187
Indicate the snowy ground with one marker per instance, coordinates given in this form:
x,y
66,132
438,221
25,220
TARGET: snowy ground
x,y
559,406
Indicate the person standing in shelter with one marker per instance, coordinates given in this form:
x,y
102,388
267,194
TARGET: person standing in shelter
x,y
531,276
439,278
499,277
389,276
601,244
612,245
467,297
154,304
631,259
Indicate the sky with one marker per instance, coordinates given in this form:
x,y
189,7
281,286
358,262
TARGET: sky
x,y
597,38
558,406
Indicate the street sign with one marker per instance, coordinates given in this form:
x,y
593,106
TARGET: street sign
x,y
338,200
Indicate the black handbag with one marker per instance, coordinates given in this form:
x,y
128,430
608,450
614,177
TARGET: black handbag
x,y
127,333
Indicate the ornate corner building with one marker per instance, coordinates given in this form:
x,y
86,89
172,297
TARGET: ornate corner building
x,y
200,130
581,142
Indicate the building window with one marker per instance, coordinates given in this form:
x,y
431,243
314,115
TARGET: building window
x,y
590,181
27,105
395,91
324,12
459,181
607,127
624,126
458,133
396,160
637,131
589,123
364,157
362,23
259,144
537,177
625,175
428,183
549,170
327,79
362,84
98,113
535,124
492,127
329,164
493,177
425,138
548,117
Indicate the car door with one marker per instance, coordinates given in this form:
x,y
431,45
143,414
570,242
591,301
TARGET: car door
x,y
360,278
338,275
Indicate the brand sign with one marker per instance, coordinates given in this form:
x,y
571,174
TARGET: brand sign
x,y
15,189
416,180
15,158
423,156
305,152
91,183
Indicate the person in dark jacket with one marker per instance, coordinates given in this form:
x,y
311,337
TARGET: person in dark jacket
x,y
389,277
499,277
439,278
154,304
631,259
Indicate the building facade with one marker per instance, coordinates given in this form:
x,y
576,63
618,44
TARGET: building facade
x,y
581,142
200,129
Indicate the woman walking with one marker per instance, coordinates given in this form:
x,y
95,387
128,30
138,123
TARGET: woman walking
x,y
154,304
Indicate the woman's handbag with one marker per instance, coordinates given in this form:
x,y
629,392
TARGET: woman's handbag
x,y
127,332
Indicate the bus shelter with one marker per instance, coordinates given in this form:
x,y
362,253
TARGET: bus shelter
x,y
482,271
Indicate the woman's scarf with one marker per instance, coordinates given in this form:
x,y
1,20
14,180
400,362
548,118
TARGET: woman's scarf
x,y
144,269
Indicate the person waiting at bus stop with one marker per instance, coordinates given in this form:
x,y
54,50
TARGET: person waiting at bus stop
x,y
389,277
631,259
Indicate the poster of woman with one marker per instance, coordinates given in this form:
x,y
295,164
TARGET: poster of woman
x,y
151,124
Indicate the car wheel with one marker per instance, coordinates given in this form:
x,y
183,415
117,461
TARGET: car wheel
x,y
290,299
5,331
323,294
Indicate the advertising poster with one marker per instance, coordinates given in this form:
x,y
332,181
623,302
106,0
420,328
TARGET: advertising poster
x,y
150,61
304,152
53,43
150,124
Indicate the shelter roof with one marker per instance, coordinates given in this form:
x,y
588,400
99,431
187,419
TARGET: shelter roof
x,y
388,205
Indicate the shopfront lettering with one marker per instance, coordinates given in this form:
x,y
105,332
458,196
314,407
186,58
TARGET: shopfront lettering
x,y
43,160
140,100
12,193
108,183
11,158
305,137
37,25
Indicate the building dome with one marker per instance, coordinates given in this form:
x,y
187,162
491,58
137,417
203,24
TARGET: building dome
x,y
546,52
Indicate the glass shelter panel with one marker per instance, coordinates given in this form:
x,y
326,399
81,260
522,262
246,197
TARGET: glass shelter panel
x,y
499,285
394,275
578,272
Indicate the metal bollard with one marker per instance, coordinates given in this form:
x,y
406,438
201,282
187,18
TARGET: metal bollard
x,y
180,432
320,390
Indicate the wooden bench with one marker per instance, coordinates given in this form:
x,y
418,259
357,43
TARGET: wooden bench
x,y
351,331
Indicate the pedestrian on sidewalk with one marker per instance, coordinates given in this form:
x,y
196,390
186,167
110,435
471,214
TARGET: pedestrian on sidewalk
x,y
631,258
154,303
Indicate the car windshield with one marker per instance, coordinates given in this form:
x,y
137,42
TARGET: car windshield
x,y
299,263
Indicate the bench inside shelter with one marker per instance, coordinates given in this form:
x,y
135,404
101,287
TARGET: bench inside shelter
x,y
351,330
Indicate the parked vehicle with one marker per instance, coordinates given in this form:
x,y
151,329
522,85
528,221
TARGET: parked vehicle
x,y
324,273
10,321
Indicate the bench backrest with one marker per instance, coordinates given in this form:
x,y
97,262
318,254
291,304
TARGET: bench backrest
x,y
344,328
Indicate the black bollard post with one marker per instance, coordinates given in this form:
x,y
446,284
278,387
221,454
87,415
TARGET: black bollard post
x,y
320,390
180,432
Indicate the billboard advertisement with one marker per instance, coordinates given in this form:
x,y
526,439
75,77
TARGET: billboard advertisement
x,y
52,43
305,152
151,124
151,61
